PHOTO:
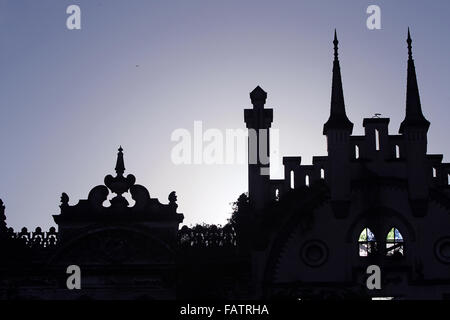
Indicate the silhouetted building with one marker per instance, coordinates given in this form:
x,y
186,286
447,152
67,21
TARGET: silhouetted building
x,y
376,199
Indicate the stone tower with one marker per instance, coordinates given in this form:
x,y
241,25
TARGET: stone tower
x,y
258,120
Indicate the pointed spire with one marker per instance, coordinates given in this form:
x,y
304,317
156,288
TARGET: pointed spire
x,y
120,165
338,118
414,115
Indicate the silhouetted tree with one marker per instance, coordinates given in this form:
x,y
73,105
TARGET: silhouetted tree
x,y
240,206
241,220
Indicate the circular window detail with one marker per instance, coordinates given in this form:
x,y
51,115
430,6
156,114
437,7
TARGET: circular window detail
x,y
314,253
442,250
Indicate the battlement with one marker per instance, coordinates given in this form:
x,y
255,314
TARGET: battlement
x,y
378,151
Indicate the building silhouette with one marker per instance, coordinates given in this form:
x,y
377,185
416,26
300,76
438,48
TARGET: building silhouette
x,y
376,199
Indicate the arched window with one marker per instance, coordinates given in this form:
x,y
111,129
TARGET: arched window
x,y
434,173
322,173
307,180
277,194
397,152
394,243
367,243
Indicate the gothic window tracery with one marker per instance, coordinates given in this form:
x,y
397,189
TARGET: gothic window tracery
x,y
367,243
394,243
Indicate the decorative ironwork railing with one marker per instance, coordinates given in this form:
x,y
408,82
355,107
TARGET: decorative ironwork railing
x,y
199,236
36,239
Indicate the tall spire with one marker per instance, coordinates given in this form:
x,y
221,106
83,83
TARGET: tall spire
x,y
338,118
414,116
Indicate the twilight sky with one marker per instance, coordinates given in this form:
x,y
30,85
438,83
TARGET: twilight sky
x,y
139,69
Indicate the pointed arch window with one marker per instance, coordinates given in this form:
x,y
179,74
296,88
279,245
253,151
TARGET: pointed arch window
x,y
377,140
394,243
322,173
356,152
397,152
367,243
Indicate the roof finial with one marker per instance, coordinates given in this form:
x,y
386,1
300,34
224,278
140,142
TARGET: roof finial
x,y
120,166
258,97
335,42
119,184
409,41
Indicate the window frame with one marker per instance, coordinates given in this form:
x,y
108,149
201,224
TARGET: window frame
x,y
395,244
370,243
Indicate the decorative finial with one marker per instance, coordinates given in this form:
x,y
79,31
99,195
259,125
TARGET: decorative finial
x,y
64,200
409,41
173,200
119,184
258,97
173,197
120,165
335,42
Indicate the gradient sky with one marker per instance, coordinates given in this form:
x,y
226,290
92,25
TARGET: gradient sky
x,y
69,98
